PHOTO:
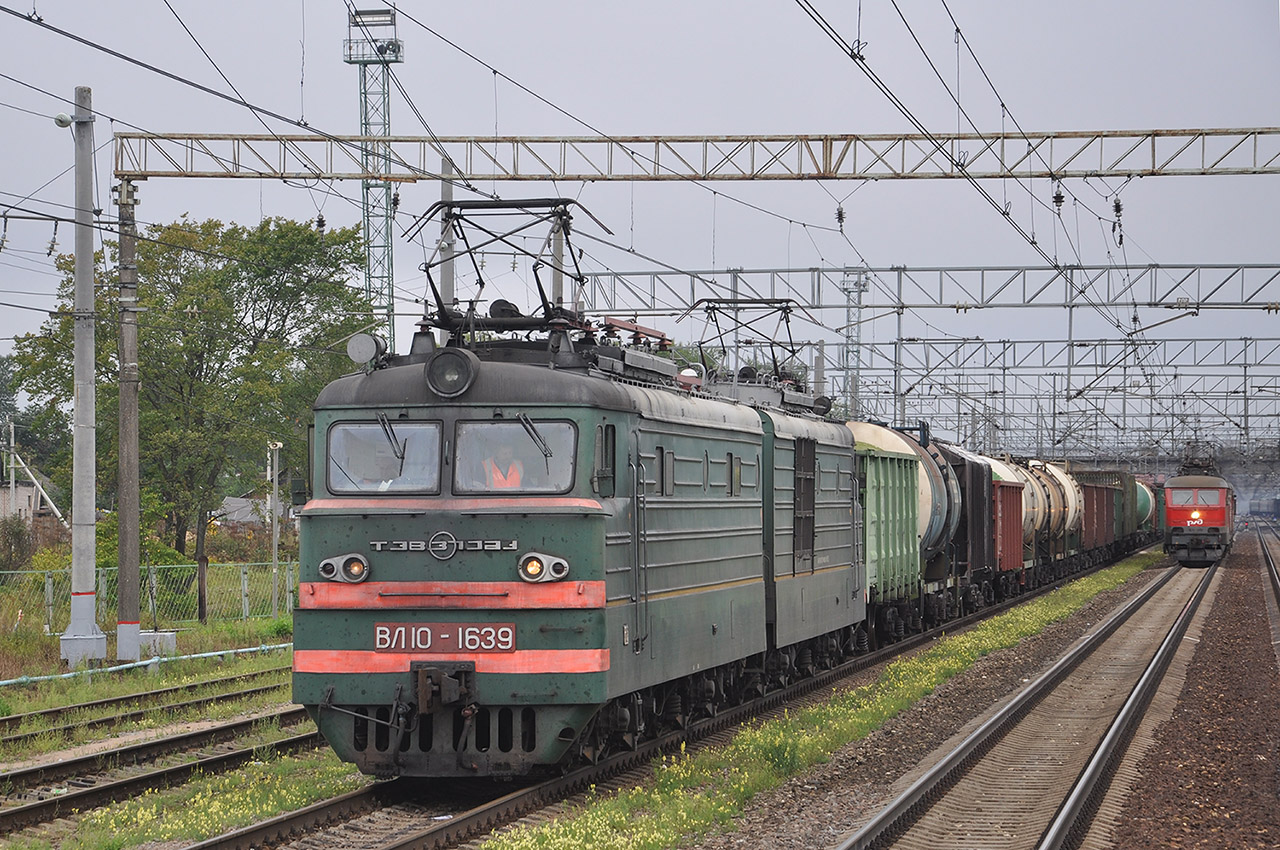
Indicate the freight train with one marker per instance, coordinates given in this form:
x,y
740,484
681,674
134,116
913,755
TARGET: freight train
x,y
1267,508
533,544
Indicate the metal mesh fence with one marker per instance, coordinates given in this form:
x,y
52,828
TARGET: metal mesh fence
x,y
168,596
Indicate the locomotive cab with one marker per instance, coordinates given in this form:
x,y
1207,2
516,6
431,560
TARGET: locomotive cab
x,y
452,603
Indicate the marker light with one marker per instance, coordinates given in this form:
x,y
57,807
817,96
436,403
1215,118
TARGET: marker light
x,y
351,569
536,567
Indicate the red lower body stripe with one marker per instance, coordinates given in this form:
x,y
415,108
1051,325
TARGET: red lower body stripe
x,y
520,661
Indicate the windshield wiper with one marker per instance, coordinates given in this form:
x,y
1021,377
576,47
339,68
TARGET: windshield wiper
x,y
397,448
532,431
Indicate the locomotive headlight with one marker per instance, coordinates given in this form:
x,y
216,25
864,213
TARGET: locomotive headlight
x,y
1195,515
538,567
354,569
531,568
351,569
452,371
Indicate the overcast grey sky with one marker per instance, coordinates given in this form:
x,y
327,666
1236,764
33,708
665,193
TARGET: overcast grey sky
x,y
677,68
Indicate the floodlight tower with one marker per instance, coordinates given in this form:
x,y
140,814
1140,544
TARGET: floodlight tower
x,y
372,45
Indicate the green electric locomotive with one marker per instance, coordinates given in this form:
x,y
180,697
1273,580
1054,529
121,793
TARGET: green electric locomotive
x,y
523,551
529,544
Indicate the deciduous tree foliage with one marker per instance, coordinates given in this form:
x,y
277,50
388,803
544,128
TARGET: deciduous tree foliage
x,y
239,327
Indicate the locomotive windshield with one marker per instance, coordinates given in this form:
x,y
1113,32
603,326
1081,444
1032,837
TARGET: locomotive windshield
x,y
514,457
1195,497
384,457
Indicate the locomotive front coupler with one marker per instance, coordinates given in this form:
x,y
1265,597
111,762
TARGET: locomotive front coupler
x,y
399,711
439,685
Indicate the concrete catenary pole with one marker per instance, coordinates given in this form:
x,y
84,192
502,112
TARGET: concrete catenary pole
x,y
274,507
13,481
83,641
129,616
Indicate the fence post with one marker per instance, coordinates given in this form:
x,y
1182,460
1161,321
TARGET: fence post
x,y
48,602
244,590
202,589
152,583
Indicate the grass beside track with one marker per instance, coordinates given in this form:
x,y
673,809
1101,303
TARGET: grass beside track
x,y
692,795
209,805
57,693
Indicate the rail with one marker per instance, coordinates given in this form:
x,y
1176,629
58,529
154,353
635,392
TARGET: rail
x,y
908,806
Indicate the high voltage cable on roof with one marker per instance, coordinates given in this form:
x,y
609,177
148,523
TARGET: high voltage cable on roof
x,y
263,111
211,91
596,130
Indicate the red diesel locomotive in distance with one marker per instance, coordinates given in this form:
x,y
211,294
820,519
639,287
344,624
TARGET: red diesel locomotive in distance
x,y
1200,518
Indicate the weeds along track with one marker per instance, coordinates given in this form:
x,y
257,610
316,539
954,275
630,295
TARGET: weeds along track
x,y
18,731
59,790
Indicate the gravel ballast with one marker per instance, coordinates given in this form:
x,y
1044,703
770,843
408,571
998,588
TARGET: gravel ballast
x,y
1212,780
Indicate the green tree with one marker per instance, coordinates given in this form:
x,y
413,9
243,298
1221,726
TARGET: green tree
x,y
239,328
8,389
15,545
43,433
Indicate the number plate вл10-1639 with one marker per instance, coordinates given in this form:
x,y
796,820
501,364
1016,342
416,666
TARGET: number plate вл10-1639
x,y
444,637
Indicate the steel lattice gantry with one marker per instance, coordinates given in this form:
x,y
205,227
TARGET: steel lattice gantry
x,y
372,47
1062,155
962,288
865,295
1122,393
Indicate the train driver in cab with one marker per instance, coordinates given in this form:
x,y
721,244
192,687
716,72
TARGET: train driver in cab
x,y
503,470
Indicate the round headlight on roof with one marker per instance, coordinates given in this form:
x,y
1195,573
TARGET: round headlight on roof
x,y
452,371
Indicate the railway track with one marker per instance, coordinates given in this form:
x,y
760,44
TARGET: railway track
x,y
42,793
1272,573
408,814
18,731
1032,774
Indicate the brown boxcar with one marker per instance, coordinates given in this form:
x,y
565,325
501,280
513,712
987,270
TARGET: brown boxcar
x,y
1006,499
1100,516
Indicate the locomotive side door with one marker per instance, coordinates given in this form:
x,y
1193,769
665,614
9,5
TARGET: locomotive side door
x,y
639,546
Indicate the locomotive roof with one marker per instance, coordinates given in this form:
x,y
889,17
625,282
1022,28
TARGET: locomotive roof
x,y
496,383
1197,481
523,384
